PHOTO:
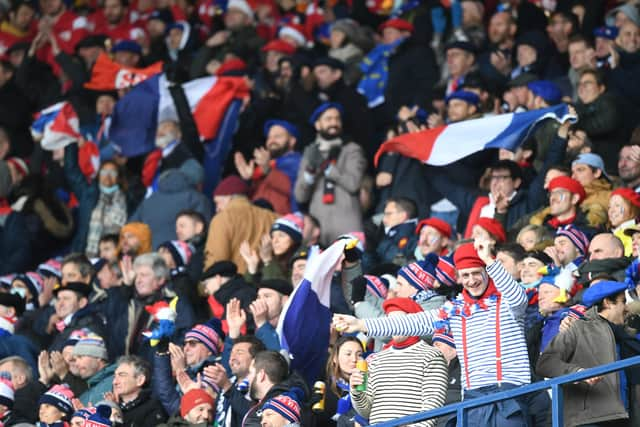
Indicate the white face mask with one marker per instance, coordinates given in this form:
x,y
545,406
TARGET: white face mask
x,y
164,140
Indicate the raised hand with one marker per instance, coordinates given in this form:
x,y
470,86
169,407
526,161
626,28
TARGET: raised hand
x,y
262,158
245,169
58,364
259,310
47,290
484,248
250,257
44,368
126,267
217,375
236,318
265,250
186,384
178,363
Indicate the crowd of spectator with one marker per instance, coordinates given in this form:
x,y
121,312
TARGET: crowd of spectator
x,y
131,296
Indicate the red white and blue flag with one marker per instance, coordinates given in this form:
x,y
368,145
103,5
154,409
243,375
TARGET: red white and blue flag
x,y
306,318
447,144
56,126
137,114
107,74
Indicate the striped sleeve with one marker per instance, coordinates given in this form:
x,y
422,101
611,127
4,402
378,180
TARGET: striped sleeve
x,y
512,293
416,324
435,381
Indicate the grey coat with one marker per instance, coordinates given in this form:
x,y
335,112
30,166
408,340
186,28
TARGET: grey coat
x,y
345,214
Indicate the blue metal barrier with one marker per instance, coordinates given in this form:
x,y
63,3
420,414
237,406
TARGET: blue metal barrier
x,y
555,384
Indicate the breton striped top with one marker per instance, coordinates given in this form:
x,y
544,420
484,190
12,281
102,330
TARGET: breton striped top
x,y
475,335
403,382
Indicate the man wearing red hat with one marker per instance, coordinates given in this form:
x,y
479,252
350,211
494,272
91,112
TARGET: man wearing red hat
x,y
392,390
565,196
236,221
487,323
434,236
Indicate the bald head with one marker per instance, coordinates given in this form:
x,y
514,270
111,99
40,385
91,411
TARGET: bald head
x,y
605,245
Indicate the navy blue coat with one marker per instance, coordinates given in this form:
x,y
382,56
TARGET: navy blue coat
x,y
174,194
116,310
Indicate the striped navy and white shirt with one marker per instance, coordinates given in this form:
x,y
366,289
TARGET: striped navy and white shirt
x,y
403,382
475,336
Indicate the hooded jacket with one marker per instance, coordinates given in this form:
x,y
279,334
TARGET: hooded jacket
x,y
175,193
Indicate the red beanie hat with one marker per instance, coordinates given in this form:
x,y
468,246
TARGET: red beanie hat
x,y
443,227
231,185
398,24
279,46
401,304
493,227
569,184
193,398
467,257
628,194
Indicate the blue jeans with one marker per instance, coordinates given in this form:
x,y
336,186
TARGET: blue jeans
x,y
508,413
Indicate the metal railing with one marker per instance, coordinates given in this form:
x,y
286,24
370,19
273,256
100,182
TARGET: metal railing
x,y
555,384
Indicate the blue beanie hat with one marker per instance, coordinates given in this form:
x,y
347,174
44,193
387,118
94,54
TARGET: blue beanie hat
x,y
293,131
546,90
464,95
322,108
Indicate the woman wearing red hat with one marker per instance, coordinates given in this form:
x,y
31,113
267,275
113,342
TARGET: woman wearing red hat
x,y
624,208
392,390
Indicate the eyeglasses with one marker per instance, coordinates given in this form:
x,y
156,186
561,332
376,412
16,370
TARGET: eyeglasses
x,y
191,343
108,172
587,83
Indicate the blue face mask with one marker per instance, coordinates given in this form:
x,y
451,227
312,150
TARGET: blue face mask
x,y
109,190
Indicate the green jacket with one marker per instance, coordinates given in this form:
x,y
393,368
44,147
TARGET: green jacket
x,y
99,384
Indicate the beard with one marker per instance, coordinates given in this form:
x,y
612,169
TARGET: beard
x,y
164,140
330,133
252,390
276,152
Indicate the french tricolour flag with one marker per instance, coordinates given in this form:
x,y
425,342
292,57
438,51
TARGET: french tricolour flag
x,y
56,126
137,114
449,143
306,318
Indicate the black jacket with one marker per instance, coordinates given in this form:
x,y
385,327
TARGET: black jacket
x,y
143,411
24,408
252,419
412,74
87,317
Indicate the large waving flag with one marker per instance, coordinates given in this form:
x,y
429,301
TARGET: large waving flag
x,y
306,318
56,126
449,143
136,115
109,75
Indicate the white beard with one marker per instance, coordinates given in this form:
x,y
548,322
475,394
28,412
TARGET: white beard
x,y
163,141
